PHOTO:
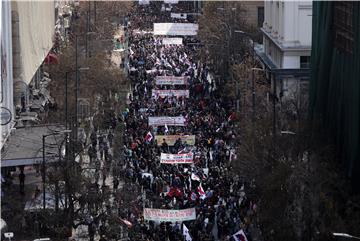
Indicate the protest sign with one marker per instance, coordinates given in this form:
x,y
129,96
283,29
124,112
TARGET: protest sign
x,y
186,158
240,236
165,215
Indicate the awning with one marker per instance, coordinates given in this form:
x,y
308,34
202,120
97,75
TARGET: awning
x,y
26,161
25,145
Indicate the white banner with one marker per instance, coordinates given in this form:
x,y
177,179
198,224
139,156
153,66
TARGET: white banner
x,y
186,158
144,2
178,15
165,215
181,29
168,120
171,80
171,1
165,93
176,41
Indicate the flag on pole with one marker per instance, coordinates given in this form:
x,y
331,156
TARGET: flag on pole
x,y
126,222
174,192
193,196
186,233
189,182
148,137
201,192
195,177
240,236
182,151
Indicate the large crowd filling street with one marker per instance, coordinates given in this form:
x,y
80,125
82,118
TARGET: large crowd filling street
x,y
157,112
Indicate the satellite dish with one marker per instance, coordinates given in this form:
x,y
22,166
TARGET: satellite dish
x,y
5,116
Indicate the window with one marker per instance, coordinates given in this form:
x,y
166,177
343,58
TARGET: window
x,y
343,26
304,62
260,15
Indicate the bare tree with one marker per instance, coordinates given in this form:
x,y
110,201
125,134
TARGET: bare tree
x,y
218,31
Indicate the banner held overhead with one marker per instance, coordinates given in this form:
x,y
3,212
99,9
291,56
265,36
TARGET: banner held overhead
x,y
167,120
165,215
165,93
171,80
176,29
186,158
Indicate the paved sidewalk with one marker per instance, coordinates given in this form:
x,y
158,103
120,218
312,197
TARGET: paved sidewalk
x,y
13,202
81,233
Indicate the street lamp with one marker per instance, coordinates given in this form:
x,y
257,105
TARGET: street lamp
x,y
43,160
345,235
87,43
231,30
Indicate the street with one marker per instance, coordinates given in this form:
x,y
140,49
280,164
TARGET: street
x,y
180,120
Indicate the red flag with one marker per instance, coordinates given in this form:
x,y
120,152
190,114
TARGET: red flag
x,y
201,192
174,192
148,137
195,177
126,222
178,192
232,117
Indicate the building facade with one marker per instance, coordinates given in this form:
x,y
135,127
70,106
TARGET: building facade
x,y
335,75
6,98
287,40
254,12
27,37
33,27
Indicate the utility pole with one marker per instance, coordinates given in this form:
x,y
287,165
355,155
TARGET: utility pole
x,y
94,11
66,100
274,105
253,81
87,29
43,171
75,134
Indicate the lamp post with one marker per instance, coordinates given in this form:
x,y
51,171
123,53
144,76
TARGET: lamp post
x,y
66,91
229,45
87,45
43,161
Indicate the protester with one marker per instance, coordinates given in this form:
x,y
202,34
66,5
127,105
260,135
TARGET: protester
x,y
22,181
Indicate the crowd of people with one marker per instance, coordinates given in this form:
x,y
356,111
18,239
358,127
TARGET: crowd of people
x,y
208,184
